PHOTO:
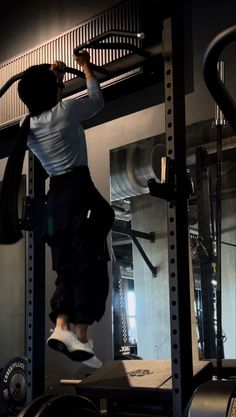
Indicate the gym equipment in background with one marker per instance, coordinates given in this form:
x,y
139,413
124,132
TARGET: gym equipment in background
x,y
13,384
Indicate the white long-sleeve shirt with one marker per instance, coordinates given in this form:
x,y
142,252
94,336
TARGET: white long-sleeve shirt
x,y
57,137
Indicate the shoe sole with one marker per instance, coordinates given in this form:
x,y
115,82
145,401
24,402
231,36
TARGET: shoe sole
x,y
76,355
97,365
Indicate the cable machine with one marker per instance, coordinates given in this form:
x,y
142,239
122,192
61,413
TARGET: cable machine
x,y
217,397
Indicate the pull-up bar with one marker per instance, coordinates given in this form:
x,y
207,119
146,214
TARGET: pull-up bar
x,y
97,43
137,57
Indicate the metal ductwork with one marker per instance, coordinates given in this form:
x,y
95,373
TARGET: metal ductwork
x,y
132,167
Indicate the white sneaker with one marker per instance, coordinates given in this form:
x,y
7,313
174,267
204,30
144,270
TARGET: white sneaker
x,y
66,342
93,362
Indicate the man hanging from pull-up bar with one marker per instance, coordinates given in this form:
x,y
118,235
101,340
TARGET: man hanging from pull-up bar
x,y
78,217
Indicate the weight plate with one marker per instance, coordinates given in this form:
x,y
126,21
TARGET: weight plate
x,y
68,405
13,384
85,412
33,406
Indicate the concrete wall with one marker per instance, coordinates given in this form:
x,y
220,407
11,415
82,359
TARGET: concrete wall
x,y
152,293
12,295
12,301
12,292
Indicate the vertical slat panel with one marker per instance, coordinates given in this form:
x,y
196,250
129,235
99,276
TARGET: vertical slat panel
x,y
122,17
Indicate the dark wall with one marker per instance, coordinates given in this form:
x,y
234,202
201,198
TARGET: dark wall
x,y
29,23
210,18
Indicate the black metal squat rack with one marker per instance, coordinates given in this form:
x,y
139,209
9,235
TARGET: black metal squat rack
x,y
168,52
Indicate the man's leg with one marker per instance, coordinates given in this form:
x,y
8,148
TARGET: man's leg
x,y
81,331
62,322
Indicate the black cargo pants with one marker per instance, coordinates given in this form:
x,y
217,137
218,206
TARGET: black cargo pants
x,y
78,220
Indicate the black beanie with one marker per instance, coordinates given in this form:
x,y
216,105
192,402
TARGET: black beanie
x,y
38,89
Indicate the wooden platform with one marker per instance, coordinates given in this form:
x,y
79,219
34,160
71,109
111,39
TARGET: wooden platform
x,y
228,368
140,380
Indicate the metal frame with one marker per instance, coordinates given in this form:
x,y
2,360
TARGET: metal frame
x,y
180,317
178,237
175,189
35,282
134,234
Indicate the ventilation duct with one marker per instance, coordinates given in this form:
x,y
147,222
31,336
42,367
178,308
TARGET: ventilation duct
x,y
132,167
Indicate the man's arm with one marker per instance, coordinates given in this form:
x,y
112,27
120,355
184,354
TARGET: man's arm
x,y
88,107
83,59
58,68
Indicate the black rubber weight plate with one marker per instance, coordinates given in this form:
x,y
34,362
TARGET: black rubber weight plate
x,y
67,406
85,412
33,406
13,384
